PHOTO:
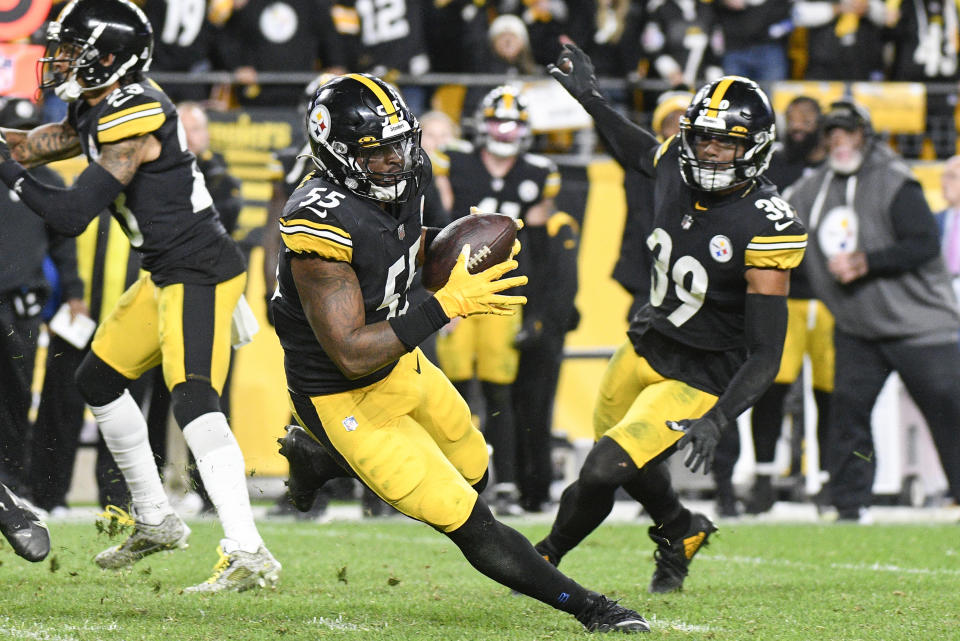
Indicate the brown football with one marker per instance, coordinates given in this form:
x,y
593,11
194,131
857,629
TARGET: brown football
x,y
490,237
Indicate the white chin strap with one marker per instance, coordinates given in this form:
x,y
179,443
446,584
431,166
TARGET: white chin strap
x,y
387,194
69,90
712,180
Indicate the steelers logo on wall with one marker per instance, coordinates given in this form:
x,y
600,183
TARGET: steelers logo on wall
x,y
20,18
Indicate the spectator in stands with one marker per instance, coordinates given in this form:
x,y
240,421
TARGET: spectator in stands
x,y
753,37
877,267
456,35
386,39
843,38
809,323
926,36
546,21
278,35
683,42
609,33
25,241
508,53
184,37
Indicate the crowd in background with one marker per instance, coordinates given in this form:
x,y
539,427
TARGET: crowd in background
x,y
671,43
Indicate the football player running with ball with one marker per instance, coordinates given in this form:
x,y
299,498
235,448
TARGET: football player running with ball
x,y
179,313
352,238
708,342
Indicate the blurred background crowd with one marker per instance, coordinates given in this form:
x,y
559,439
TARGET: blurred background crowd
x,y
239,68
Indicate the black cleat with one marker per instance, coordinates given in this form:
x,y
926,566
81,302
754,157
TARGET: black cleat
x,y
674,557
27,534
762,495
603,615
299,448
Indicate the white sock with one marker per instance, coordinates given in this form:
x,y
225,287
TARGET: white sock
x,y
124,432
220,463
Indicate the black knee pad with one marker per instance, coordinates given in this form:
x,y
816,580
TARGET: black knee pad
x,y
192,399
481,485
607,465
99,384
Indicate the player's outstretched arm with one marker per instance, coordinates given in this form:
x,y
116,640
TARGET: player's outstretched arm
x,y
43,144
627,142
69,211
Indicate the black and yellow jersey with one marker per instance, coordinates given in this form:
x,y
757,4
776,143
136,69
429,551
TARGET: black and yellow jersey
x,y
692,328
165,211
531,179
325,220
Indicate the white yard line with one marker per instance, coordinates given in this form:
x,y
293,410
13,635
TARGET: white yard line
x,y
37,630
856,567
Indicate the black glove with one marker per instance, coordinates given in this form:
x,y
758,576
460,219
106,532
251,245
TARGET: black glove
x,y
4,148
579,80
702,434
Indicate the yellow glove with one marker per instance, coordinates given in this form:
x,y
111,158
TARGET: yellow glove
x,y
466,294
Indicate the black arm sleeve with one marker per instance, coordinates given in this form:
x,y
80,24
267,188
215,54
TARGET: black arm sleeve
x,y
67,211
765,329
628,143
918,238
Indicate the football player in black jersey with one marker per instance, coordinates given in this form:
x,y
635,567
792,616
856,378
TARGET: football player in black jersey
x,y
179,313
708,342
497,175
359,384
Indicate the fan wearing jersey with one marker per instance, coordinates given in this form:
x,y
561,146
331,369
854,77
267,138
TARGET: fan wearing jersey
x,y
708,342
497,175
179,312
359,385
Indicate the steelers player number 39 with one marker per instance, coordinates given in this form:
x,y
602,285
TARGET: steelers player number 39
x,y
689,277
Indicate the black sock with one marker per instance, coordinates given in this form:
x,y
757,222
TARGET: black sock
x,y
504,555
653,489
587,501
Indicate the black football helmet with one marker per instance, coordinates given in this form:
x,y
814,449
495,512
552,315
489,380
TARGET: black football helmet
x,y
356,118
84,33
731,109
502,122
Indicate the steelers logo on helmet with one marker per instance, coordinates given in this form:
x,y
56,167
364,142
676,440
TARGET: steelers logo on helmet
x,y
502,122
726,135
318,124
370,143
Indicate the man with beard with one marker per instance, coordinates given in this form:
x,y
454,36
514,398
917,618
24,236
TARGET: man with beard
x,y
876,265
809,329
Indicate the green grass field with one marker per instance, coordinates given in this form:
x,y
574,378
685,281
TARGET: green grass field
x,y
399,580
